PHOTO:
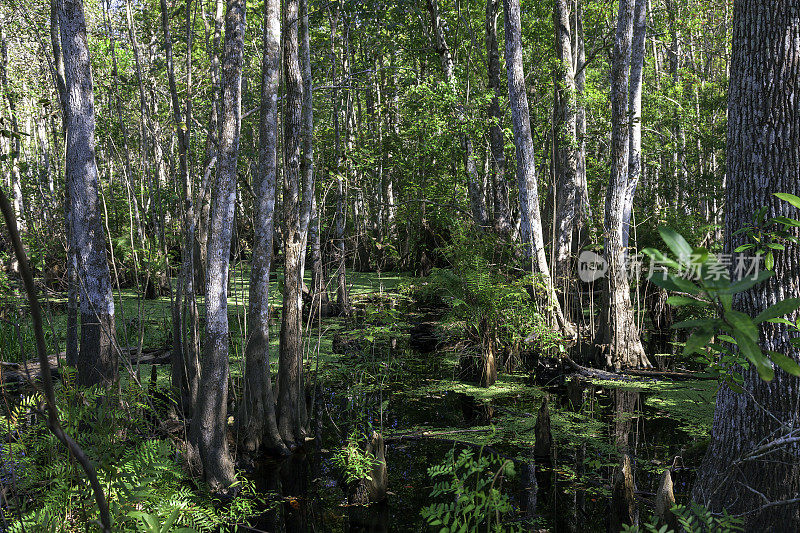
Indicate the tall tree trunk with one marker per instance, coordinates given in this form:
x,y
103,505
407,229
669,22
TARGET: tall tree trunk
x,y
307,133
212,142
291,382
580,116
210,421
763,158
185,362
97,360
568,215
474,188
71,347
309,214
340,217
638,43
257,420
14,145
527,182
620,332
502,215
679,135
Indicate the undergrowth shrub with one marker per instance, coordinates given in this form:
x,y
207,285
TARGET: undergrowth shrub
x,y
492,297
469,490
693,518
139,469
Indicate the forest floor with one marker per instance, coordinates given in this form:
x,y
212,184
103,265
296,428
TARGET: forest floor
x,y
423,410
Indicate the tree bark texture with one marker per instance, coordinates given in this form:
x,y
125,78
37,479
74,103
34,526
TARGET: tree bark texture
x,y
257,420
763,158
623,347
502,215
527,182
97,360
291,383
210,420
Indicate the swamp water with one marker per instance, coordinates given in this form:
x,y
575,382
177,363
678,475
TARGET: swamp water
x,y
659,424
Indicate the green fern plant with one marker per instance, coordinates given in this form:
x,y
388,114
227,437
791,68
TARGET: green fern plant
x,y
489,298
693,518
470,487
145,485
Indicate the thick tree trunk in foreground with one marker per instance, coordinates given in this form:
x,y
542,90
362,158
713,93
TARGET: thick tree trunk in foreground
x,y
210,420
763,158
531,223
618,325
291,382
97,360
257,423
502,215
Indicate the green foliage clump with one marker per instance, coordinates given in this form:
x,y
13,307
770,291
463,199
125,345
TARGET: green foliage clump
x,y
712,290
353,462
693,518
471,488
144,482
489,296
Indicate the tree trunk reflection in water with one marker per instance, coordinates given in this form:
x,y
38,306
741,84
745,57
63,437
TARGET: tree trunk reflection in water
x,y
623,505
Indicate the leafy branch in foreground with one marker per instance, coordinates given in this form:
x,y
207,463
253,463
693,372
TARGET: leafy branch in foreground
x,y
702,280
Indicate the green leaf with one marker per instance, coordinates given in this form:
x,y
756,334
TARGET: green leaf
x,y
726,300
786,221
685,285
735,387
782,308
791,198
699,255
665,281
781,321
170,520
769,261
676,243
697,341
680,301
750,349
746,283
786,363
744,247
742,323
660,258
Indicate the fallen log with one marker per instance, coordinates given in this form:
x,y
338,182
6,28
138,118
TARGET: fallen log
x,y
31,370
682,375
634,373
594,373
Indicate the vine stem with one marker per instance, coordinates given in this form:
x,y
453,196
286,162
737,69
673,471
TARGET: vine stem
x,y
47,380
